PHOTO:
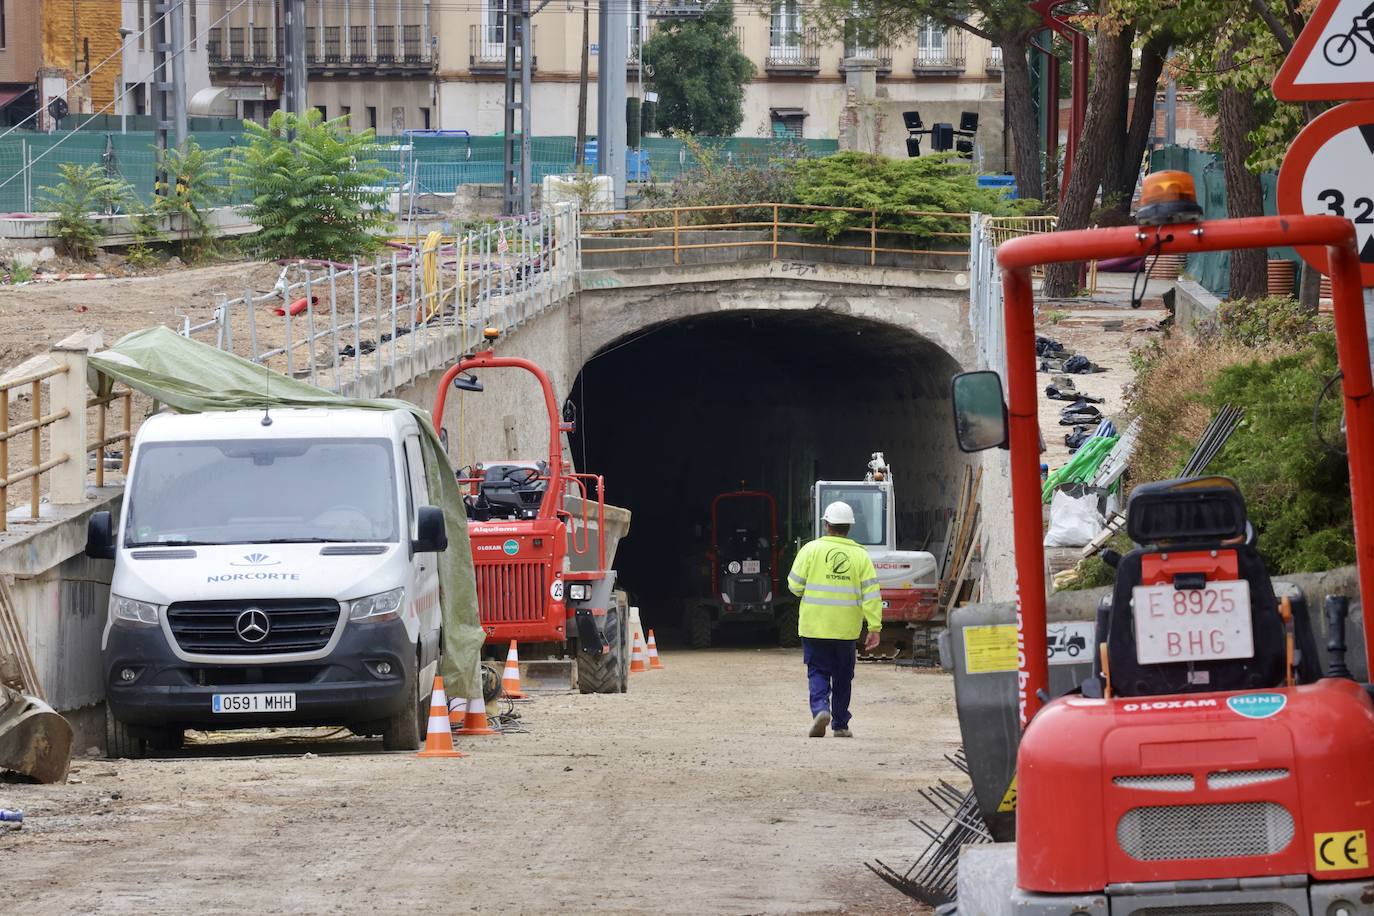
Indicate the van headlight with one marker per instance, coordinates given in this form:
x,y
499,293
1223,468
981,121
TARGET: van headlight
x,y
378,607
127,612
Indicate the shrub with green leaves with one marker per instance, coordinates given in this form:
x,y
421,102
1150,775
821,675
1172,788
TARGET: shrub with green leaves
x,y
893,187
192,188
83,191
316,189
1273,320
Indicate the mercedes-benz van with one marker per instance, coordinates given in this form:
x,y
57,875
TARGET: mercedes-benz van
x,y
274,568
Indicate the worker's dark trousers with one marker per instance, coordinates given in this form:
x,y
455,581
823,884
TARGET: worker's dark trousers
x,y
830,672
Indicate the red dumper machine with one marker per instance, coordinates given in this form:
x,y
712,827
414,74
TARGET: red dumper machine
x,y
1207,765
542,542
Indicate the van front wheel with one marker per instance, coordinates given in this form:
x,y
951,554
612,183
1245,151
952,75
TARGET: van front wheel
x,y
403,731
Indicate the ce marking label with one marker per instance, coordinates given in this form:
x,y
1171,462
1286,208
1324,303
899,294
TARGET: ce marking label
x,y
1341,851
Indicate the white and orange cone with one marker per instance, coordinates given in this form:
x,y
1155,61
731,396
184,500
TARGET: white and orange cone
x,y
456,710
637,663
510,678
475,719
438,737
654,662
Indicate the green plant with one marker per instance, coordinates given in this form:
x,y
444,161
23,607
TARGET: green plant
x,y
1054,316
20,273
894,188
314,187
84,190
699,74
192,187
1272,320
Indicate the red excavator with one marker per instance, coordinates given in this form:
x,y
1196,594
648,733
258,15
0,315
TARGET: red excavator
x,y
542,542
1208,765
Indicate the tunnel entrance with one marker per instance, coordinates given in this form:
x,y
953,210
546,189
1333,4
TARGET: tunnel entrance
x,y
765,400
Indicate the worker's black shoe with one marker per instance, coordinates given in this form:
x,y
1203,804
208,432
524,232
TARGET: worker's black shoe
x,y
819,724
842,733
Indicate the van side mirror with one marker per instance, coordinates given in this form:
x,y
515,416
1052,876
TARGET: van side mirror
x,y
433,535
100,536
980,414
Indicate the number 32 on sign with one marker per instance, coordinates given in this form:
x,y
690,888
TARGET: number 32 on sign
x,y
1329,170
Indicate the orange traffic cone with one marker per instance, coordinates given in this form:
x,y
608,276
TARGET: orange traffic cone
x,y
510,678
637,663
438,738
653,653
474,721
456,710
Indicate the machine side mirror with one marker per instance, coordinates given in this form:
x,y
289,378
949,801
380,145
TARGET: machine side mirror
x,y
980,415
467,382
100,536
433,534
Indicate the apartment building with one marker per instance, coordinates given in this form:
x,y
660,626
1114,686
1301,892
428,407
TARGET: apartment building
x,y
370,60
46,47
798,90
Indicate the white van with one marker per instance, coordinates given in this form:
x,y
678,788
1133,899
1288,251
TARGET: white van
x,y
271,569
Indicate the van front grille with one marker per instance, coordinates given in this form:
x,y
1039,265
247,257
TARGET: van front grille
x,y
511,591
223,627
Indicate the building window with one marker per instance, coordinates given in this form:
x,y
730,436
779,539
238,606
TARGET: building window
x,y
494,27
424,119
195,23
784,29
930,41
346,112
140,98
142,7
372,116
787,123
4,37
324,112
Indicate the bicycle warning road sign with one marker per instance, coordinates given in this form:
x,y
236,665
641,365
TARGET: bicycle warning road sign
x,y
1329,170
1333,58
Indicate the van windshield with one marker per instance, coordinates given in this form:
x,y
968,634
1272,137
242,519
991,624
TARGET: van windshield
x,y
259,491
870,511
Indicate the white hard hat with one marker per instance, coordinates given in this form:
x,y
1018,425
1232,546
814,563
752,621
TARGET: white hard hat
x,y
838,513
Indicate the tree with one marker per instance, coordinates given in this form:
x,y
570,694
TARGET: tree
x,y
83,191
1007,24
193,187
699,74
1238,119
315,188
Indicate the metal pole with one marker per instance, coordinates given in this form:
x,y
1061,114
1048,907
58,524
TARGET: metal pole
x,y
526,56
294,88
178,74
161,85
613,30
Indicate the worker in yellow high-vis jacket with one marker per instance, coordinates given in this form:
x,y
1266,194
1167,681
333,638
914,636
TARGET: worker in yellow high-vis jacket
x,y
838,587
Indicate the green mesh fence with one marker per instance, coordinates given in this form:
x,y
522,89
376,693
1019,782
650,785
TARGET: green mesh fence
x,y
1213,269
29,162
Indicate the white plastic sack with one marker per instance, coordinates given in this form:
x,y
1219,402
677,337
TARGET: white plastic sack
x,y
1074,520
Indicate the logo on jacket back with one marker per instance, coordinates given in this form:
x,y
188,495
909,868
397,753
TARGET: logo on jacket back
x,y
838,561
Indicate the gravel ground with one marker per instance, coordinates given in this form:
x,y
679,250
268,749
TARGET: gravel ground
x,y
696,793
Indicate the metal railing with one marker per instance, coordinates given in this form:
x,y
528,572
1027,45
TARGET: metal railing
x,y
993,61
63,423
396,47
945,56
487,48
337,325
793,51
783,231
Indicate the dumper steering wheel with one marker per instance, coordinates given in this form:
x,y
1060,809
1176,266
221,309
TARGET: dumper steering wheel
x,y
522,476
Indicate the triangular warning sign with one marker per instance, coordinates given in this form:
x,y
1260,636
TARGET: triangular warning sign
x,y
1333,58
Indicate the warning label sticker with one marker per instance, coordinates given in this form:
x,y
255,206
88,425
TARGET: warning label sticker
x,y
1342,850
1008,803
990,648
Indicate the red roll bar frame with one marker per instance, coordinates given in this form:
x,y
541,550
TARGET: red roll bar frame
x,y
1017,257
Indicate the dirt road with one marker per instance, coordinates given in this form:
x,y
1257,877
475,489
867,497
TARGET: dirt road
x,y
696,793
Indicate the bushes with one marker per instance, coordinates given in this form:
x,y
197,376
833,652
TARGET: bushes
x,y
192,188
1276,320
85,190
316,189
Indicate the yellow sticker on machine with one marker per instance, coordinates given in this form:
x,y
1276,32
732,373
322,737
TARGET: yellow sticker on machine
x,y
1008,803
990,648
1341,851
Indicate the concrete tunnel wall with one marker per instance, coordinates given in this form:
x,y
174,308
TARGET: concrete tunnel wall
x,y
823,374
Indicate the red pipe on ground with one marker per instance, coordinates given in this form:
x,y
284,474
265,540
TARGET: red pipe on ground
x,y
299,306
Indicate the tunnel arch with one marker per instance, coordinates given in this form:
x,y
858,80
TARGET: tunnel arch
x,y
678,411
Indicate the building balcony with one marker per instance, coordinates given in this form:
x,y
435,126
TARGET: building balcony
x,y
793,53
861,43
487,49
939,53
380,53
993,62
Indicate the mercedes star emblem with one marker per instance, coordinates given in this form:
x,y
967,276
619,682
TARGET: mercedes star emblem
x,y
252,625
